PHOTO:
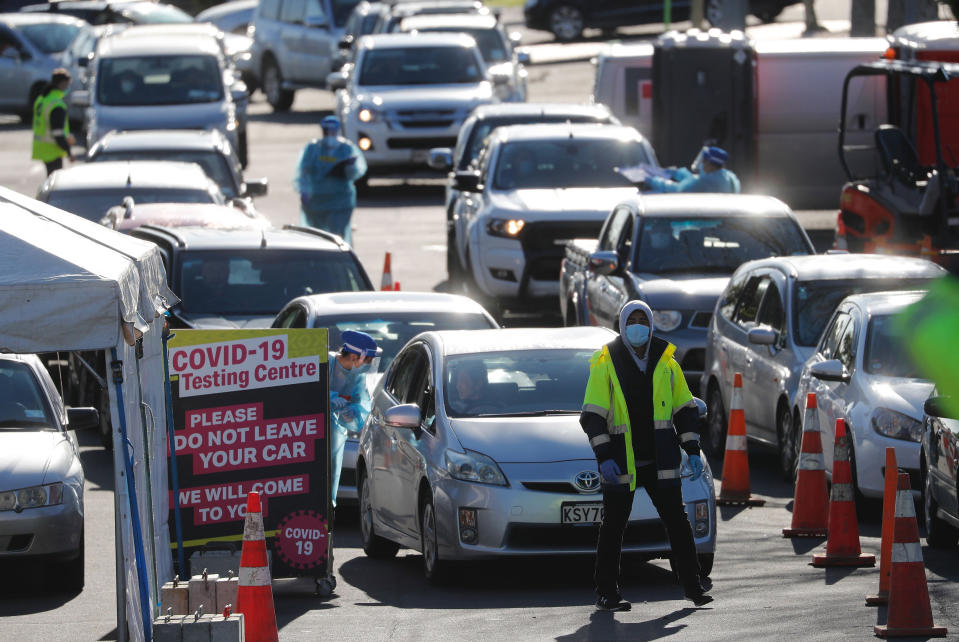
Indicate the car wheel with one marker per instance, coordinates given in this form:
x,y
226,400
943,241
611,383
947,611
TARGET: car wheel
x,y
566,22
789,442
72,572
453,267
715,442
373,545
768,15
434,568
714,12
280,99
939,534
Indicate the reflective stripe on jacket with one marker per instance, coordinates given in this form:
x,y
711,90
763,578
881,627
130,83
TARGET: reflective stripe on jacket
x,y
45,147
605,417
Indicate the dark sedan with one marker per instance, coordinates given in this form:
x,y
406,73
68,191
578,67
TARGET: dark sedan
x,y
939,464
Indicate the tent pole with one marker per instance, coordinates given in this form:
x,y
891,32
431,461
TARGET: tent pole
x,y
122,635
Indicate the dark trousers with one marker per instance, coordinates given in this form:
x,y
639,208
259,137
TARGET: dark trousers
x,y
54,165
617,503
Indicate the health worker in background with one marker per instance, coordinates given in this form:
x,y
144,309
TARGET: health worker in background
x,y
324,178
713,176
349,395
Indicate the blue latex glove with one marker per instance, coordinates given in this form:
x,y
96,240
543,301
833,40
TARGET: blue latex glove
x,y
337,402
609,470
697,466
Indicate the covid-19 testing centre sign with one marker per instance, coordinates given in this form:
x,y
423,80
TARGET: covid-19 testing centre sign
x,y
250,414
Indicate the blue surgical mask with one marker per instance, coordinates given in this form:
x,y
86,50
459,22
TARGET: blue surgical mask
x,y
637,334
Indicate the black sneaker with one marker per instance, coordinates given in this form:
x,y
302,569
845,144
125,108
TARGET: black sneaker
x,y
699,599
613,604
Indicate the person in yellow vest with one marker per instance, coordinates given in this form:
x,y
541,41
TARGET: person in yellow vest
x,y
51,127
638,413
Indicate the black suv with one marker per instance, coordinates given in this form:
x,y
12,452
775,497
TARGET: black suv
x,y
567,18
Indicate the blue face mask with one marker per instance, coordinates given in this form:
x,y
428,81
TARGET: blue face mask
x,y
637,334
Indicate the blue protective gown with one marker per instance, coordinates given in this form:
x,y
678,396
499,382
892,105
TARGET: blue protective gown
x,y
327,200
720,181
351,385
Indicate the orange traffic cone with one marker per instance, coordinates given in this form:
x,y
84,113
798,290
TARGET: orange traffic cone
x,y
810,501
254,597
842,547
387,282
888,523
735,487
910,613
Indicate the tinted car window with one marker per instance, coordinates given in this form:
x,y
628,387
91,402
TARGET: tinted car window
x,y
814,301
93,204
752,296
50,38
483,128
407,371
22,403
155,13
612,231
731,295
885,350
213,163
159,80
342,10
771,313
490,42
715,244
419,66
831,338
552,164
240,282
846,347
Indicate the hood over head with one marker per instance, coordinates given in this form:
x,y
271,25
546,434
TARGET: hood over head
x,y
628,308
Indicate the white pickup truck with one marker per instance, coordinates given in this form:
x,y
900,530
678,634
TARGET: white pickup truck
x,y
535,188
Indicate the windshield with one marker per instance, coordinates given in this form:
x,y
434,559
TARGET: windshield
x,y
393,331
886,353
342,10
159,80
50,37
420,66
93,204
715,244
155,13
21,398
516,382
213,163
490,42
483,128
551,164
261,282
815,301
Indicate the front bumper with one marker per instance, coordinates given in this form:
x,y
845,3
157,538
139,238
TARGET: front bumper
x,y
395,144
524,519
51,531
870,455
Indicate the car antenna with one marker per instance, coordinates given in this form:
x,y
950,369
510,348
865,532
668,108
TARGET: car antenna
x,y
129,175
262,238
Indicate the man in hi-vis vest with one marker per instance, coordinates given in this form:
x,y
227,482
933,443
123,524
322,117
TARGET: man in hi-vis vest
x,y
51,127
638,413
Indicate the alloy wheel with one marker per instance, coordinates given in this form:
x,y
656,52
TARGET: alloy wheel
x,y
566,22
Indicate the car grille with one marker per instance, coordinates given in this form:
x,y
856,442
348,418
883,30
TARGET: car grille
x,y
423,119
421,142
700,319
16,543
536,536
554,487
544,245
694,360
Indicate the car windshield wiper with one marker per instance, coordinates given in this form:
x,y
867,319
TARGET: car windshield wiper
x,y
710,269
530,413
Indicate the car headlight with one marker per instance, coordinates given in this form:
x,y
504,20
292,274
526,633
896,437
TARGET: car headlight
x,y
368,115
896,425
667,320
474,467
506,227
32,497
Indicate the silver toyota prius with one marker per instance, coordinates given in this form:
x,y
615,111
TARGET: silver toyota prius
x,y
473,449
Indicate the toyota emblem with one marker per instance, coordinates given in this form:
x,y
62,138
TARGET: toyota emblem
x,y
587,481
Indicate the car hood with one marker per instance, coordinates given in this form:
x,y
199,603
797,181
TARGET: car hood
x,y
187,116
428,97
511,440
682,292
26,456
215,322
898,393
590,202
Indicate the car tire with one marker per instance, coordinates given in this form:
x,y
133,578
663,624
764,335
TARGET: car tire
x,y
72,572
789,442
566,22
434,568
373,545
768,15
715,442
454,270
939,534
280,99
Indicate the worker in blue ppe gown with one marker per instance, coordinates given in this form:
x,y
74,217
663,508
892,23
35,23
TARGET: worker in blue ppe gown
x,y
349,396
713,176
324,178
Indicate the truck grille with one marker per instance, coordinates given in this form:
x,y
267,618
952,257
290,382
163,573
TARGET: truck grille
x,y
544,245
424,119
535,536
428,142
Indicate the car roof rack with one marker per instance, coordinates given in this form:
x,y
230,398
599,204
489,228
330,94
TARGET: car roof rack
x,y
329,236
164,231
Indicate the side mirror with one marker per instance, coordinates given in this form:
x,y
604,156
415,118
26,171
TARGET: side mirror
x,y
82,418
466,181
603,263
936,407
256,186
84,61
316,22
404,416
700,407
763,336
441,158
829,370
80,98
523,57
336,80
345,44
